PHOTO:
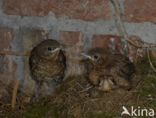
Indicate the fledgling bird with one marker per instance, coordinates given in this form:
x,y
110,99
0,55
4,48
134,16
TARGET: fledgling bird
x,y
47,64
108,71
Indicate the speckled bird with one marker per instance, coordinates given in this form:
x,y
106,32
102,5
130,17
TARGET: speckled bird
x,y
47,63
108,71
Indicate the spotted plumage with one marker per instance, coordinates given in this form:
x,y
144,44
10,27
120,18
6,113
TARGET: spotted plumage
x,y
108,71
47,63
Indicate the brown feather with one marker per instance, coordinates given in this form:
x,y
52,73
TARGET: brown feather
x,y
109,70
47,66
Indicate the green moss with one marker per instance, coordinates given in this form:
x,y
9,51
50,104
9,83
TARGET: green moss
x,y
149,85
148,90
143,66
45,110
37,111
58,111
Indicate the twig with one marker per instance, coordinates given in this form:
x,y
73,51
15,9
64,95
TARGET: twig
x,y
121,27
86,89
124,34
14,53
14,94
150,62
79,85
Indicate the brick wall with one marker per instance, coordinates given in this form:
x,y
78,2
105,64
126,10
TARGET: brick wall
x,y
24,23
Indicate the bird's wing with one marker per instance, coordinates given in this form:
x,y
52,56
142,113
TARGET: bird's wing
x,y
33,62
62,59
124,64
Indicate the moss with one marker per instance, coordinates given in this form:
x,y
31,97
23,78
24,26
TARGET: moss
x,y
148,90
57,111
143,66
36,111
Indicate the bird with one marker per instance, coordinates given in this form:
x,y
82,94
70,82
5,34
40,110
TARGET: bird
x,y
108,71
47,64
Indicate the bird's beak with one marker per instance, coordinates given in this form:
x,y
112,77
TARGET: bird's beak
x,y
87,56
56,50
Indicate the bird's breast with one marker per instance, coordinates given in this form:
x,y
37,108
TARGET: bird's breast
x,y
49,69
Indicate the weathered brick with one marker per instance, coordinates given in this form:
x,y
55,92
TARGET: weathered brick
x,y
140,10
7,75
7,65
107,41
69,37
73,42
8,69
6,36
78,9
30,38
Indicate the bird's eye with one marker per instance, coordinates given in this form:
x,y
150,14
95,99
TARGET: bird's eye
x,y
95,57
49,49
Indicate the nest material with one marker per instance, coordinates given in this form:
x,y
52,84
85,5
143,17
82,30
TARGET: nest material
x,y
79,99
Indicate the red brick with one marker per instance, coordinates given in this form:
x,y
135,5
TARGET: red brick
x,y
32,37
69,37
7,65
8,69
105,41
77,9
7,76
73,42
6,36
140,10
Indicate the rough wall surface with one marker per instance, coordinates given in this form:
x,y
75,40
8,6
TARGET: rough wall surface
x,y
24,23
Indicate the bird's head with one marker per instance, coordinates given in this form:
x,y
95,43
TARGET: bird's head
x,y
96,55
49,49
